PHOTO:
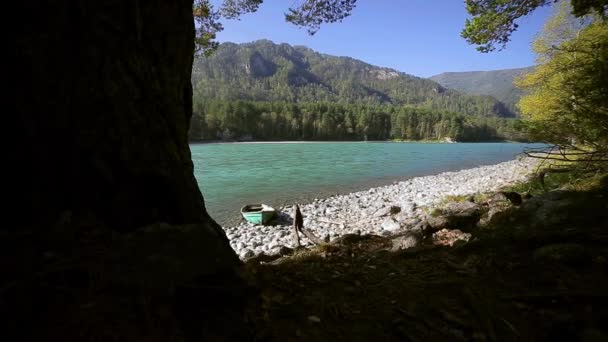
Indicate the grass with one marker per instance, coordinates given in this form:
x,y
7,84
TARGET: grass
x,y
552,181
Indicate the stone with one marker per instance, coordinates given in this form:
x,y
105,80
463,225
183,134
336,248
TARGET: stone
x,y
438,222
510,196
448,237
390,225
405,242
384,211
462,215
403,217
314,319
284,250
248,253
495,214
461,208
395,209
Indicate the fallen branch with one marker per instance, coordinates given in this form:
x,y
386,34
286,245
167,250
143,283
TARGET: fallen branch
x,y
298,224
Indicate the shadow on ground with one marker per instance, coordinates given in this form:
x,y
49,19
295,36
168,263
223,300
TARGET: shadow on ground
x,y
541,274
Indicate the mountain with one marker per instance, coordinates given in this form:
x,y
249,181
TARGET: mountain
x,y
265,71
496,83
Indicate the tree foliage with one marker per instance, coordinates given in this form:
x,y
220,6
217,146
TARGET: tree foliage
x,y
313,13
310,14
207,25
567,102
494,21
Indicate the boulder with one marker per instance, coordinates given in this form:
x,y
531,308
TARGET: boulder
x,y
464,209
405,242
506,196
448,237
552,208
463,215
495,214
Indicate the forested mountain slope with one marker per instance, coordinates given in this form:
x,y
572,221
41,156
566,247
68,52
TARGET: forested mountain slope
x,y
495,83
264,71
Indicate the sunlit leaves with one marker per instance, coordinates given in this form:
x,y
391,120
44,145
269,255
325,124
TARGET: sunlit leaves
x,y
306,13
233,9
207,24
567,102
312,13
493,21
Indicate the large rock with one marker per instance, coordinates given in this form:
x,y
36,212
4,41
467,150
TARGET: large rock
x,y
405,242
506,196
462,215
495,214
448,237
550,209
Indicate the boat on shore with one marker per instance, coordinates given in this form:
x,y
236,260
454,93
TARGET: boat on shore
x,y
258,213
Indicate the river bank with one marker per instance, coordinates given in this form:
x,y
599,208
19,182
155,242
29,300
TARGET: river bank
x,y
438,141
365,212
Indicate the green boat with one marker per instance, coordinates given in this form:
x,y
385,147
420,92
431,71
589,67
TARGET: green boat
x,y
258,213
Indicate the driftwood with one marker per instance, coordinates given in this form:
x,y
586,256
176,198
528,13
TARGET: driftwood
x,y
298,223
298,226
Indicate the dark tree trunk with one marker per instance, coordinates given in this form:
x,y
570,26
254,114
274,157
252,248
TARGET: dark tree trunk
x,y
103,101
104,105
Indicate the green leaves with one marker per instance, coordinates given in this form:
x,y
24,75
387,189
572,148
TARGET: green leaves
x,y
233,9
313,13
493,21
207,25
568,96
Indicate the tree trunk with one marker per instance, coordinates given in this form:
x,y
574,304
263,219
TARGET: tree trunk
x,y
103,101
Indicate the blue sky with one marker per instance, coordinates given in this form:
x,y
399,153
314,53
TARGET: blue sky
x,y
419,37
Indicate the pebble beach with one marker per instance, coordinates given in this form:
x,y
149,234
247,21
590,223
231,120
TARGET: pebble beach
x,y
368,212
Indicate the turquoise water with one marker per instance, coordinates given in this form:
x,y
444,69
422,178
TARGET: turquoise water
x,y
231,175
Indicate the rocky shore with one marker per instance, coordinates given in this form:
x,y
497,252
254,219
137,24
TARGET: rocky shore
x,y
387,210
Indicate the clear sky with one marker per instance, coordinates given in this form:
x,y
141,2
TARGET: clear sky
x,y
419,37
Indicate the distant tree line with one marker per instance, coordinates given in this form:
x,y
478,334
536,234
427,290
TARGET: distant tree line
x,y
248,120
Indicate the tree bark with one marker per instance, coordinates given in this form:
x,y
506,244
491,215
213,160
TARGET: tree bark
x,y
103,105
103,101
